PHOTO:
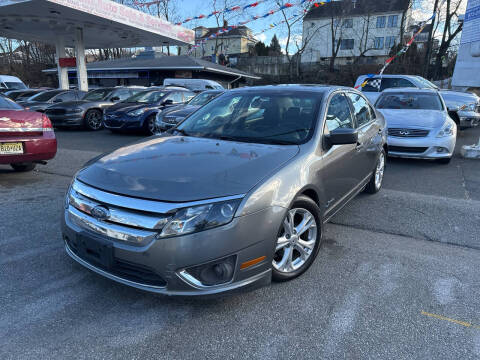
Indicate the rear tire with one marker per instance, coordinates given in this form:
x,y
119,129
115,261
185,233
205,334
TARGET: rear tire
x,y
444,161
93,120
297,246
23,167
376,181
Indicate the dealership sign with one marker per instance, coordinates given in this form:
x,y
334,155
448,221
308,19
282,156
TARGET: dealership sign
x,y
471,25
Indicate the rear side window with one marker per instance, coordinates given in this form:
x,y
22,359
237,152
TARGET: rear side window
x,y
339,114
122,94
373,85
67,96
6,103
176,97
361,109
388,83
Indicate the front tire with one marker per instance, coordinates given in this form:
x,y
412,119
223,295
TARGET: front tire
x,y
376,181
93,120
23,167
150,125
298,240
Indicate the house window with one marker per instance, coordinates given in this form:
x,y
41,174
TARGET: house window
x,y
381,21
348,23
378,43
392,21
336,22
390,42
347,44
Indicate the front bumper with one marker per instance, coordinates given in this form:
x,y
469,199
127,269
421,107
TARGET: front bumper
x,y
166,258
469,119
421,148
119,122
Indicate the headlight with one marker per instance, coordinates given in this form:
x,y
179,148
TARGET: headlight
x,y
199,218
137,112
448,129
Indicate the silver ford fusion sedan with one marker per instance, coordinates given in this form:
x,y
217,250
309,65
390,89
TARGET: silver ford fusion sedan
x,y
234,196
418,123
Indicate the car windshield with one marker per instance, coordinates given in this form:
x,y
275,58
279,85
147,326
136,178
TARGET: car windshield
x,y
257,117
146,97
409,101
427,83
6,103
97,95
14,85
45,96
203,98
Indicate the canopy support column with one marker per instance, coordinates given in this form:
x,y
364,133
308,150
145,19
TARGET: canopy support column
x,y
62,71
82,78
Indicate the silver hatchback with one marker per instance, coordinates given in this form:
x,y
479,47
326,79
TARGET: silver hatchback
x,y
234,196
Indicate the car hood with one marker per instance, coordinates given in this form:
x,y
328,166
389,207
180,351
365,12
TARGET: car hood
x,y
80,103
181,169
183,111
126,107
456,99
426,119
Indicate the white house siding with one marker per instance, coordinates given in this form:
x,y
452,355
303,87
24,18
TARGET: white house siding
x,y
320,46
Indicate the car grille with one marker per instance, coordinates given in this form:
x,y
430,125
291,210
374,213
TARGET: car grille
x,y
55,112
410,133
407,149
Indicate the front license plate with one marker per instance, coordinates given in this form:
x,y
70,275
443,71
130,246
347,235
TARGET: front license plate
x,y
96,251
11,148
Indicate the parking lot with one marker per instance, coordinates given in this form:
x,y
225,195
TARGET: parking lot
x,y
397,276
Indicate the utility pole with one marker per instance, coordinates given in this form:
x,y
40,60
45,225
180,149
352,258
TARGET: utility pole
x,y
430,43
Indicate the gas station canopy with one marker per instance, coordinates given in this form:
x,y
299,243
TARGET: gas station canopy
x,y
105,24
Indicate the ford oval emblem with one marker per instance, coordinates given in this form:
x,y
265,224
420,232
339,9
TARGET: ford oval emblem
x,y
100,212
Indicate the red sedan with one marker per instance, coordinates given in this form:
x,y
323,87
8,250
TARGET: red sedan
x,y
26,137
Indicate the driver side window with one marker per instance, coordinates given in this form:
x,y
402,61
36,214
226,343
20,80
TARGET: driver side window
x,y
339,114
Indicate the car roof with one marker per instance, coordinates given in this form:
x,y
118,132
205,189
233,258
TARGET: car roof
x,y
295,87
410,89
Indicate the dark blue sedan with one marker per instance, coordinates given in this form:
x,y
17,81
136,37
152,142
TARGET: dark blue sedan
x,y
140,111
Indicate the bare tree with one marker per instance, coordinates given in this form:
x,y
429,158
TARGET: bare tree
x,y
451,28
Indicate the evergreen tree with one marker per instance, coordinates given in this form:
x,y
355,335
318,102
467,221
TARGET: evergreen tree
x,y
275,49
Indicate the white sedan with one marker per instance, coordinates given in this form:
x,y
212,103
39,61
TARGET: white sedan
x,y
418,124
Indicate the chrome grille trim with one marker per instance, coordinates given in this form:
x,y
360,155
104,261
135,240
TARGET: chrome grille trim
x,y
404,132
137,204
119,216
113,231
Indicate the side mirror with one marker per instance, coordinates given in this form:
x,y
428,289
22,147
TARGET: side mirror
x,y
115,99
342,136
167,102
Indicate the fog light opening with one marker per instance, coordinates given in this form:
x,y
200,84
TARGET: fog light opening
x,y
211,274
442,150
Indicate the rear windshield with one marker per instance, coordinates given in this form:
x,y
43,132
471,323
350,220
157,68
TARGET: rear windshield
x,y
257,117
6,103
14,85
409,101
97,95
45,96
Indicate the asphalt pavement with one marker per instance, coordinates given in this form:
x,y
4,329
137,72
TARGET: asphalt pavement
x,y
397,277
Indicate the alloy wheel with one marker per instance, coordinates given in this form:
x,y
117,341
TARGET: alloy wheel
x,y
94,120
152,127
379,171
296,240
